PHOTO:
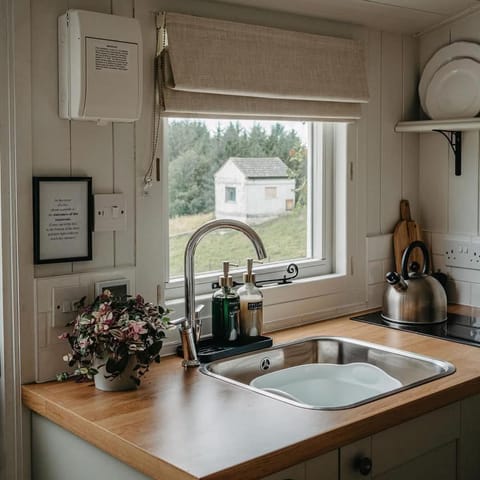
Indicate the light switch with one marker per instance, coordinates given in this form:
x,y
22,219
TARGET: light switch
x,y
110,212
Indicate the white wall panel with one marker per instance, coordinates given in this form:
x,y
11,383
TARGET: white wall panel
x,y
374,131
61,147
50,134
391,111
466,29
433,189
450,204
463,190
410,142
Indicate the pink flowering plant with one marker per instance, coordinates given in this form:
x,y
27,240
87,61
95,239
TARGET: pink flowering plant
x,y
110,331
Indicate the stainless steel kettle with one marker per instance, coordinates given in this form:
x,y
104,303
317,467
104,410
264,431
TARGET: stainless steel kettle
x,y
414,297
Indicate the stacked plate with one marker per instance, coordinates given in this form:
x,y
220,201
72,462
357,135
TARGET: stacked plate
x,y
450,82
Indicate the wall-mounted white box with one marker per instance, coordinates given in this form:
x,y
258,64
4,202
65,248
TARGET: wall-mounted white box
x,y
100,67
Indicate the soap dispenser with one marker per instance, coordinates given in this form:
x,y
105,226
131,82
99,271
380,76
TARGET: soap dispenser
x,y
251,304
225,309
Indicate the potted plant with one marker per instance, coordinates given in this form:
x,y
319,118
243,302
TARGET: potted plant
x,y
114,340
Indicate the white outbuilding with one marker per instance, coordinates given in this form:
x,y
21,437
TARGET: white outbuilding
x,y
253,190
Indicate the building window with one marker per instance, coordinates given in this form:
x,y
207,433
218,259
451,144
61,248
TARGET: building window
x,y
270,193
289,163
230,194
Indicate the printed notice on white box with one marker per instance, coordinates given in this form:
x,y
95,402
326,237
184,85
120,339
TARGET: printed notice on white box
x,y
112,78
63,219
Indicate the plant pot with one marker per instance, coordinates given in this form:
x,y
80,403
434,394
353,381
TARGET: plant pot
x,y
121,382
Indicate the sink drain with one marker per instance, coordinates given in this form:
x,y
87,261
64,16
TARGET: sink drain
x,y
265,363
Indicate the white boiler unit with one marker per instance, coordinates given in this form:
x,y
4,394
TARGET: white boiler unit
x,y
100,67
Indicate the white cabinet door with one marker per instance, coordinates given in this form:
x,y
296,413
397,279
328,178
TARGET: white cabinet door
x,y
439,464
401,444
356,460
324,467
469,444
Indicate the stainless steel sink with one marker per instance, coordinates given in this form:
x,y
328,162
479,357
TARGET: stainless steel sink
x,y
408,368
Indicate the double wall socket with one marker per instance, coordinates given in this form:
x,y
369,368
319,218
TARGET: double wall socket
x,y
462,253
65,304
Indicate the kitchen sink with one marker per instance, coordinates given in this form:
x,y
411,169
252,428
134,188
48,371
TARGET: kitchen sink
x,y
328,373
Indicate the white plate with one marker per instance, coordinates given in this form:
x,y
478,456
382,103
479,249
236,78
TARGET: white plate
x,y
441,57
454,91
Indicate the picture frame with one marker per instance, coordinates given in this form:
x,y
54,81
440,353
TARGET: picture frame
x,y
62,219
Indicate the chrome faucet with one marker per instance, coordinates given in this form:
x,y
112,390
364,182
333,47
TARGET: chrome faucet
x,y
190,326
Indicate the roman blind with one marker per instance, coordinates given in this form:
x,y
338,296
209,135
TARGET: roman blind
x,y
226,69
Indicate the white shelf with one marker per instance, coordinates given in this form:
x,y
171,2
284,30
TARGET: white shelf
x,y
457,124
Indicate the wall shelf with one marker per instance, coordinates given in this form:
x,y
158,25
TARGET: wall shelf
x,y
450,129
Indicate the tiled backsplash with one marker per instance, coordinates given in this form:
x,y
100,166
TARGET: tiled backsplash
x,y
463,284
380,261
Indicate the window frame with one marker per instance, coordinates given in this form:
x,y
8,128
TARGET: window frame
x,y
319,243
228,191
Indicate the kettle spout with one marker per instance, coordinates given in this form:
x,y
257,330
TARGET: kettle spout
x,y
397,281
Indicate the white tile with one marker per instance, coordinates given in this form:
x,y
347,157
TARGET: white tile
x,y
437,246
475,294
459,292
375,295
388,266
438,263
375,272
464,275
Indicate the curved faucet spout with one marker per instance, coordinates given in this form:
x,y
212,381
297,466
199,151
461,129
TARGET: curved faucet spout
x,y
191,319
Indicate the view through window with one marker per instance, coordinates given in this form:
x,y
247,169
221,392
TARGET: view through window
x,y
252,171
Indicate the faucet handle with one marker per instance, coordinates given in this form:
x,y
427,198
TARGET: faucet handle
x,y
198,309
177,322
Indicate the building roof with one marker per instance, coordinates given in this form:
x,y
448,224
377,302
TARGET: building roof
x,y
261,167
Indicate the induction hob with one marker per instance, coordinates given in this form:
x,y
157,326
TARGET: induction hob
x,y
457,328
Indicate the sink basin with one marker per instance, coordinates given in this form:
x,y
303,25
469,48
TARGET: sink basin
x,y
328,373
324,385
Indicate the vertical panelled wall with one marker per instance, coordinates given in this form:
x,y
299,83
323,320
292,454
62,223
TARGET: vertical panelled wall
x,y
392,158
73,148
449,205
117,156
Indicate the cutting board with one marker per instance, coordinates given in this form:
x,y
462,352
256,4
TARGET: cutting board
x,y
406,231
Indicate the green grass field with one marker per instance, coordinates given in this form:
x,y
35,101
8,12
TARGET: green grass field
x,y
284,238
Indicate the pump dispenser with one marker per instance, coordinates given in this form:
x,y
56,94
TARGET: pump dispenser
x,y
251,304
225,309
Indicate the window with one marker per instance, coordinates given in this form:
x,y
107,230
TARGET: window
x,y
270,193
230,194
283,176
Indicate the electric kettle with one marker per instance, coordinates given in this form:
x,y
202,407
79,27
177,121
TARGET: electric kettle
x,y
414,297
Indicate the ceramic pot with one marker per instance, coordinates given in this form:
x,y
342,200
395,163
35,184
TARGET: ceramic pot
x,y
122,382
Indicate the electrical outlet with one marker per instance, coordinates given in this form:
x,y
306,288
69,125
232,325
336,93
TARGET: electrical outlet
x,y
65,304
462,253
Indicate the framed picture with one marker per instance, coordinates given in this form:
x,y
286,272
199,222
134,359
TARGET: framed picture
x,y
62,219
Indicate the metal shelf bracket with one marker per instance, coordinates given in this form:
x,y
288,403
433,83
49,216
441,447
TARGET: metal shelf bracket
x,y
454,139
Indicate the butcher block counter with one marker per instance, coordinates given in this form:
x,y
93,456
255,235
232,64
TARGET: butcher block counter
x,y
183,425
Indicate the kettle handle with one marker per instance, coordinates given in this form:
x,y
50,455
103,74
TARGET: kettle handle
x,y
406,255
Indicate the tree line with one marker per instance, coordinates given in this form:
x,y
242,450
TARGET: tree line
x,y
195,154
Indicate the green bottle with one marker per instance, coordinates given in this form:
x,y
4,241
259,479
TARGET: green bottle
x,y
225,309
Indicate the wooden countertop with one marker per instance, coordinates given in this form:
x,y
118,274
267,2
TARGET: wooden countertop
x,y
184,425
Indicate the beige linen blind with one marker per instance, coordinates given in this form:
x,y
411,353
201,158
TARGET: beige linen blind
x,y
219,68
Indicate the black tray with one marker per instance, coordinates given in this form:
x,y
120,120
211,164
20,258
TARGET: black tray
x,y
209,350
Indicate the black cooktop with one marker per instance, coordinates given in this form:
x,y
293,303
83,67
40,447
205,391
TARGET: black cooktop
x,y
457,328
